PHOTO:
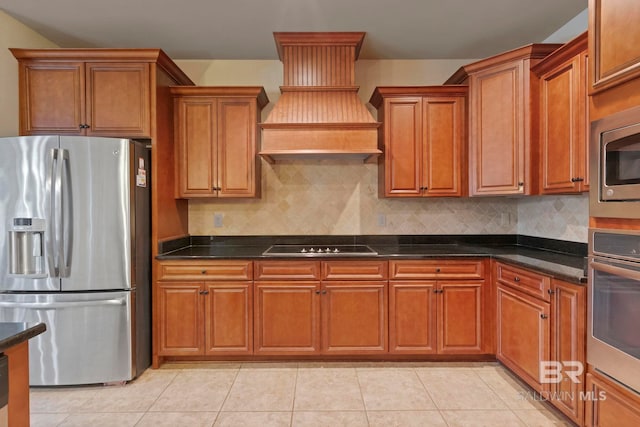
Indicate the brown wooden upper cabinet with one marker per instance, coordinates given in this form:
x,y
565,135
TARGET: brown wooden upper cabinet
x,y
93,92
614,42
503,121
217,137
423,137
564,119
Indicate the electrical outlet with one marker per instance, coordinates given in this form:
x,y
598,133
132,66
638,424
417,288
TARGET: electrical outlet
x,y
217,220
382,220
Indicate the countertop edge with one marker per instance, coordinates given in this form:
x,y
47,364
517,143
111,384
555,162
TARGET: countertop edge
x,y
557,270
22,334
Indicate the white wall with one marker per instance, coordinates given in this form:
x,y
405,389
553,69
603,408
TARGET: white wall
x,y
13,34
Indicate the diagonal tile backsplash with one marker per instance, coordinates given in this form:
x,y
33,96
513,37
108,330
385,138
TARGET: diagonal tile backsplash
x,y
340,197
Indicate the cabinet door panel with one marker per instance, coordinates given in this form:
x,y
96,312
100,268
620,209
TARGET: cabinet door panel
x,y
354,317
229,320
443,129
118,100
412,317
497,130
460,316
568,317
181,317
236,147
614,42
562,128
195,134
609,404
53,98
523,334
403,146
287,318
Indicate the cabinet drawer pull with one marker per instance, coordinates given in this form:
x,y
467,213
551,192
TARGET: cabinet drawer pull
x,y
203,272
521,184
577,179
204,292
543,316
516,279
437,270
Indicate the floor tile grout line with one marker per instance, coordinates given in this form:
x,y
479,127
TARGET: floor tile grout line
x,y
235,377
426,389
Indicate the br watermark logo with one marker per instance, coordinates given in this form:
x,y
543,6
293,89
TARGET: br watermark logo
x,y
551,371
555,372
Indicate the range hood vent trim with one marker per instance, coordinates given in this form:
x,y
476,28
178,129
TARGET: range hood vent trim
x,y
319,113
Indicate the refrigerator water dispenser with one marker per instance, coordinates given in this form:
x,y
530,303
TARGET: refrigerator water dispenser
x,y
26,252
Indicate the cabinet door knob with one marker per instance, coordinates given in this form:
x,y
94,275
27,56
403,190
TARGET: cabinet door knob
x,y
437,270
324,292
543,316
203,272
317,292
551,291
516,279
521,184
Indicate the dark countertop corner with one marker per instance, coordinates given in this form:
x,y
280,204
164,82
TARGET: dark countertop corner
x,y
14,333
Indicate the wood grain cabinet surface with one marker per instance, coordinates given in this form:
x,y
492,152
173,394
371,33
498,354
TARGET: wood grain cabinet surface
x,y
614,43
345,313
86,92
424,139
540,319
433,315
503,121
609,404
212,316
216,131
564,121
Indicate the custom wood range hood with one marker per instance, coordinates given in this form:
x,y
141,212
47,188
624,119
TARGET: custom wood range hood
x,y
319,113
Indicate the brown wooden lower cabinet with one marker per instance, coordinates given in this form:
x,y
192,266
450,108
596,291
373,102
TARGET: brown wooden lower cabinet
x,y
354,317
543,319
523,334
609,404
429,317
344,313
437,306
287,317
205,318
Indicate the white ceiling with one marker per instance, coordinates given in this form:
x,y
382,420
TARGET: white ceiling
x,y
242,29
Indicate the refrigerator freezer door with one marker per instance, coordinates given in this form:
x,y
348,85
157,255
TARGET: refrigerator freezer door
x,y
27,181
97,215
88,338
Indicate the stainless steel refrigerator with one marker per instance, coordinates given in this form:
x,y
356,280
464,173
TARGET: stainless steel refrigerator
x,y
75,254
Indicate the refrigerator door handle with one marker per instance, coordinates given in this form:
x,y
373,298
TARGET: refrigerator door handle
x,y
65,219
59,305
50,204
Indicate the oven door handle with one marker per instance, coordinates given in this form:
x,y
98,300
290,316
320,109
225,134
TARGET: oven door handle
x,y
613,269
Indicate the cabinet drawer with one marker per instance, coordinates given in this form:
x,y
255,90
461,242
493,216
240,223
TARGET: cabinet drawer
x,y
527,281
436,269
354,270
209,270
287,270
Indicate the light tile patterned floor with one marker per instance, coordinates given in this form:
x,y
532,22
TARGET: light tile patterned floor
x,y
301,394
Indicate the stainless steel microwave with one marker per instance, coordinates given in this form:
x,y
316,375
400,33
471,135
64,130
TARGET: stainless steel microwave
x,y
615,165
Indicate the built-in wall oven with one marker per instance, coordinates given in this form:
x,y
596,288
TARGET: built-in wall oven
x,y
615,165
613,341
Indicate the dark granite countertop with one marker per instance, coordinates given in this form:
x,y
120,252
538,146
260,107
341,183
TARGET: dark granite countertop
x,y
14,333
560,259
